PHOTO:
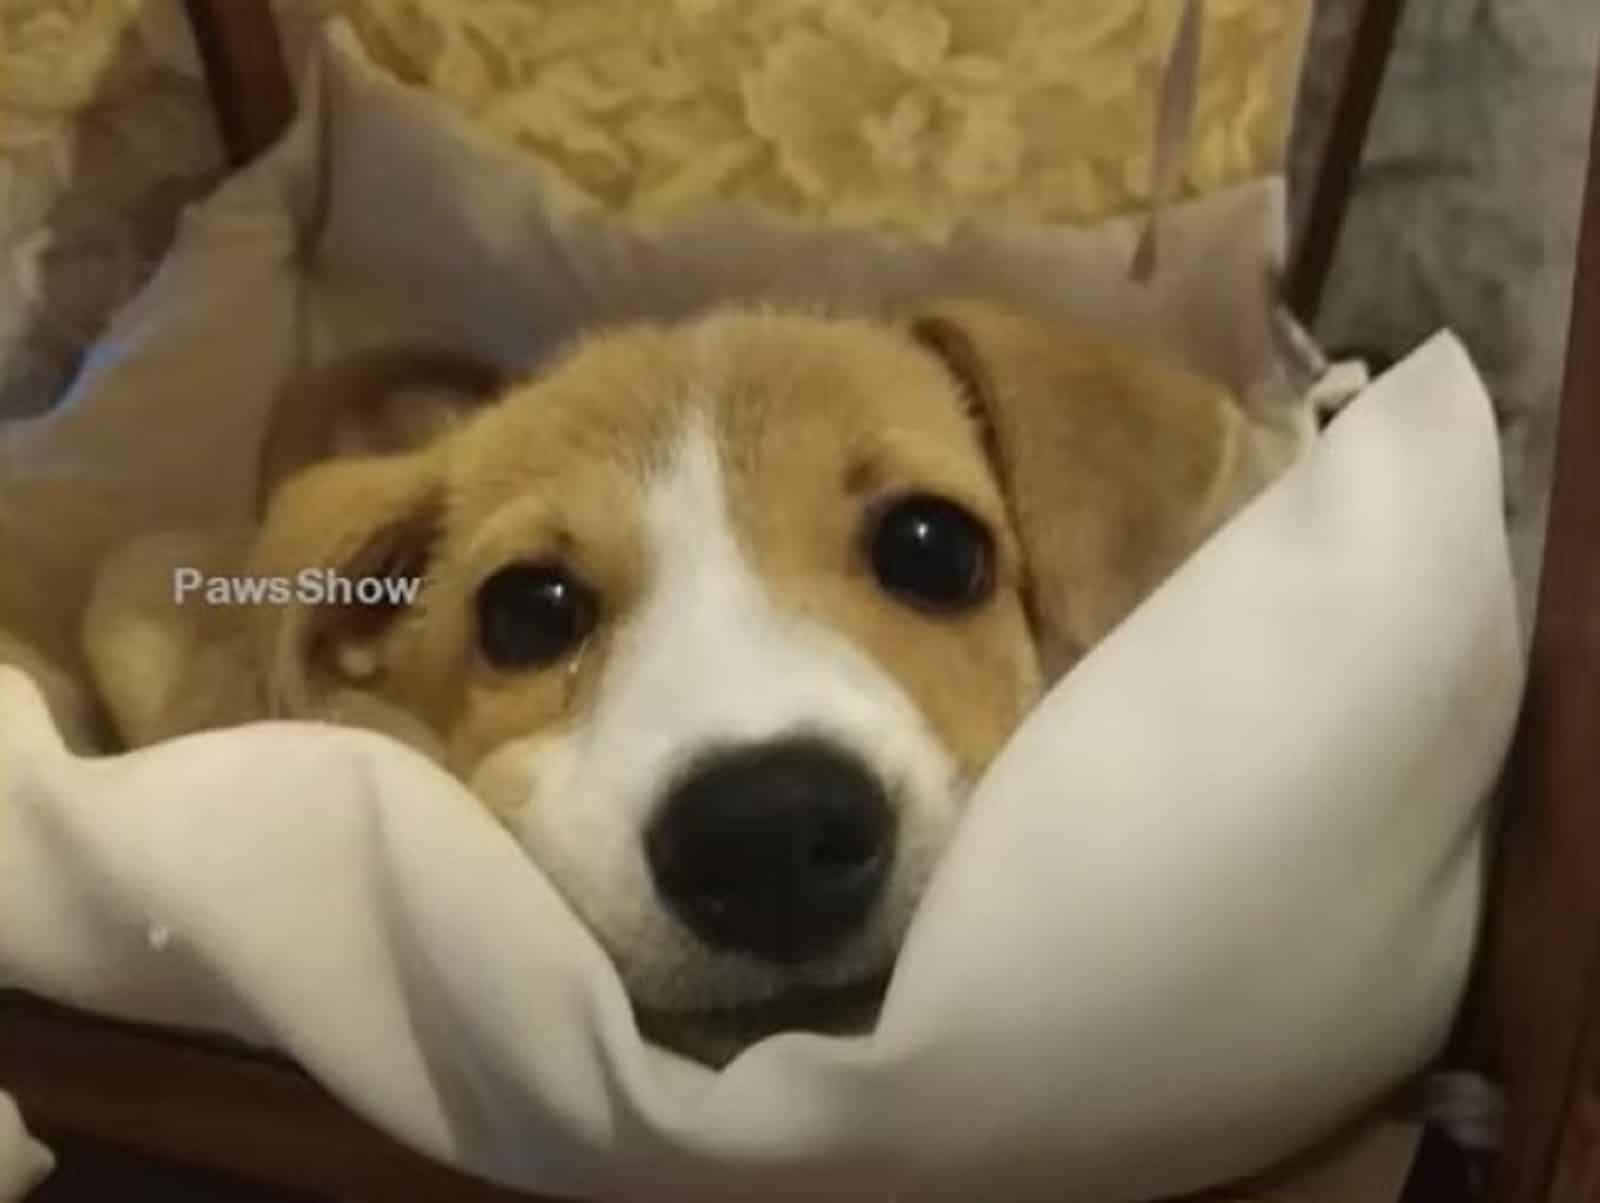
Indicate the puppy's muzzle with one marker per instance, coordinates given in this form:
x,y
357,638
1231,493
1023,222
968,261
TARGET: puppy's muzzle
x,y
778,850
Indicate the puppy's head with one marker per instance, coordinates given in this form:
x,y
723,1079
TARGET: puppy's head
x,y
379,401
724,619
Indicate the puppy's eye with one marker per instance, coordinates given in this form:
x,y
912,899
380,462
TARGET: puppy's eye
x,y
531,615
931,554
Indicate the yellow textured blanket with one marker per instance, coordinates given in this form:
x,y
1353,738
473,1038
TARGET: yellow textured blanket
x,y
907,114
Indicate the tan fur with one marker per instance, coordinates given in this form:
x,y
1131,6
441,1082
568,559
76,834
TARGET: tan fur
x,y
820,422
77,714
164,670
1097,466
375,402
1117,463
558,467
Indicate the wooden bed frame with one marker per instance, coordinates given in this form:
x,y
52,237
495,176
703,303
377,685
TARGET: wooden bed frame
x,y
1532,1019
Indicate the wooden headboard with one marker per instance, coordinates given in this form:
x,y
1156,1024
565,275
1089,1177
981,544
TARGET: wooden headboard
x,y
251,93
1540,1022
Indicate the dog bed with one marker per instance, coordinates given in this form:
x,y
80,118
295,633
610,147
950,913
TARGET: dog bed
x,y
1217,896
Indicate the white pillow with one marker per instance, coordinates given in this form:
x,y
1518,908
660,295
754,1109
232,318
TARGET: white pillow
x,y
1217,894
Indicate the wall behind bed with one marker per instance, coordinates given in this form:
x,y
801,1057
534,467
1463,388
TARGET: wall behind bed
x,y
1466,209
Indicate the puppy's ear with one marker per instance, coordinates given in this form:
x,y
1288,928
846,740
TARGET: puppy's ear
x,y
1115,464
339,525
384,401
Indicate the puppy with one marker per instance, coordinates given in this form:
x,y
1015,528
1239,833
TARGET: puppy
x,y
721,619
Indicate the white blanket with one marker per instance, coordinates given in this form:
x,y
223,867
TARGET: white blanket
x,y
1217,895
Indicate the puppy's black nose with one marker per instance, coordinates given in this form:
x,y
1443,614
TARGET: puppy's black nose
x,y
778,850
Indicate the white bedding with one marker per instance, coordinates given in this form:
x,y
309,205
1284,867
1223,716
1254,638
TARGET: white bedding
x,y
1217,896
